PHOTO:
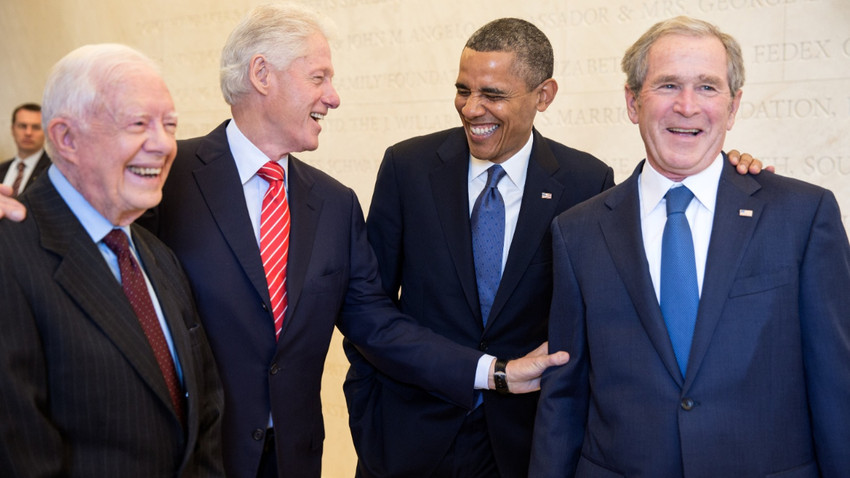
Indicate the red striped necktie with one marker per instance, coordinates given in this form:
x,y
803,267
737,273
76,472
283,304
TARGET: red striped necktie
x,y
274,239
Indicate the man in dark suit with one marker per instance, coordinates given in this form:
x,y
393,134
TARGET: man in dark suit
x,y
421,228
276,76
710,340
31,160
105,369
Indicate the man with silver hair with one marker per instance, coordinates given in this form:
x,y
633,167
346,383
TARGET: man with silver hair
x,y
105,369
277,255
706,313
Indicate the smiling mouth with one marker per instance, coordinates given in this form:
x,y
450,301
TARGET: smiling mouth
x,y
483,130
692,132
145,172
317,116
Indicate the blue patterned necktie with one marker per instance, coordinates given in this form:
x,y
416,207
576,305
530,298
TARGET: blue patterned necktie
x,y
488,239
679,290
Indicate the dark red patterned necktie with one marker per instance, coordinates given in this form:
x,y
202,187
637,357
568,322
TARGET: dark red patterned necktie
x,y
16,186
133,283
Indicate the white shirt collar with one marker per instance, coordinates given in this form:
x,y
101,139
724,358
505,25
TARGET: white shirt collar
x,y
249,158
516,167
31,159
654,186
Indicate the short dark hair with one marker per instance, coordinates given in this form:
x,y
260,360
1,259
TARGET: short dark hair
x,y
535,61
35,107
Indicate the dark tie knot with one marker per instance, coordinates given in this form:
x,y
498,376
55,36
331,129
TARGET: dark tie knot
x,y
494,174
117,242
21,166
271,172
678,199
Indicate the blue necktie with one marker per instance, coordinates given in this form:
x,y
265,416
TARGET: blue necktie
x,y
488,239
679,290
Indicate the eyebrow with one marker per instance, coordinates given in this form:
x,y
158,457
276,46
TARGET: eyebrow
x,y
710,79
487,89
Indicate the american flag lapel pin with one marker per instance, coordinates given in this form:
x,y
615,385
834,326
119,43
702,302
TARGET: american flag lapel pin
x,y
545,195
745,212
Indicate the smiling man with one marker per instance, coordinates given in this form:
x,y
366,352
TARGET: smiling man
x,y
705,312
104,367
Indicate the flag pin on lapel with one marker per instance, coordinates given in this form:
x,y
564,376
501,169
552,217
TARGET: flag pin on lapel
x,y
545,195
745,212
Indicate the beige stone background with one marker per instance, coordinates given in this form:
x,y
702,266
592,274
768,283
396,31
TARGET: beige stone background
x,y
396,63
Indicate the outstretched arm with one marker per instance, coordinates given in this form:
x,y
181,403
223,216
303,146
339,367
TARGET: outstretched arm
x,y
523,374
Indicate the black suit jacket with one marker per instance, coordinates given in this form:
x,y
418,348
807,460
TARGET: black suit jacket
x,y
332,280
419,227
81,393
40,167
767,384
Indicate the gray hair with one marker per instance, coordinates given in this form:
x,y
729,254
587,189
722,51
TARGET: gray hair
x,y
534,57
74,87
276,31
635,63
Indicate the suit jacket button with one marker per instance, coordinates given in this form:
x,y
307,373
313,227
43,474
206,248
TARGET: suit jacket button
x,y
275,369
258,434
483,346
688,404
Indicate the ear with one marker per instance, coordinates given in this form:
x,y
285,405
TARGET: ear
x,y
546,95
260,74
736,103
631,105
64,138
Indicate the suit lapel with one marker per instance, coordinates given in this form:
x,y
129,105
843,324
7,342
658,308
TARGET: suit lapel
x,y
85,277
535,218
730,236
305,209
219,174
621,229
450,189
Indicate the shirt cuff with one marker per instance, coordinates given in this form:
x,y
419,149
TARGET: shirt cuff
x,y
482,372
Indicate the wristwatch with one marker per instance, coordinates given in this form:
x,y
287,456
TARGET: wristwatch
x,y
500,377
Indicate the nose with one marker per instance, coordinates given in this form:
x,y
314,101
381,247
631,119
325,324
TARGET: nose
x,y
331,97
161,139
687,103
472,106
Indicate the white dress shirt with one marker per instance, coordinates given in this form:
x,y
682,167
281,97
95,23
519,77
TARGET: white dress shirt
x,y
652,187
511,188
249,159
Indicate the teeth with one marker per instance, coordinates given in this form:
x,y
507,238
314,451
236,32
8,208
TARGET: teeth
x,y
684,131
317,116
146,172
482,130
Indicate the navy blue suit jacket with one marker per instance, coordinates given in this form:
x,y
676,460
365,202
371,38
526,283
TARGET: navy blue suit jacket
x,y
332,280
419,227
767,384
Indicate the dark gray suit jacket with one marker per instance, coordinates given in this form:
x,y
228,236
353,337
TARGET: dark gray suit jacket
x,y
40,167
81,393
767,384
419,227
